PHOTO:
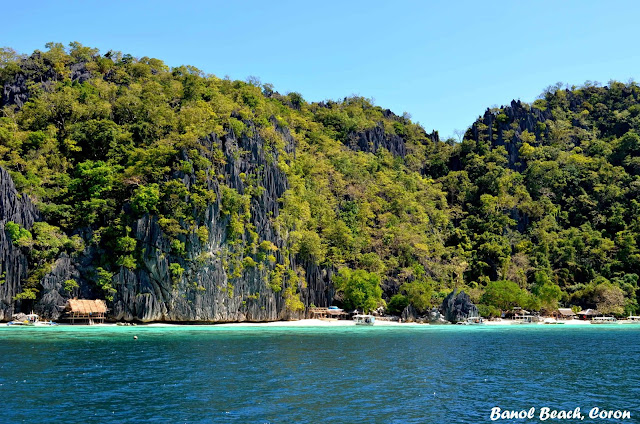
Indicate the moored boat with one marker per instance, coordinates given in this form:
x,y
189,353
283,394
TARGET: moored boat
x,y
630,320
30,320
364,319
472,321
604,320
552,321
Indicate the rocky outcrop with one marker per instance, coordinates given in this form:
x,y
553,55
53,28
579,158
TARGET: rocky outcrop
x,y
36,68
409,314
374,139
457,306
505,127
54,296
206,291
13,262
433,316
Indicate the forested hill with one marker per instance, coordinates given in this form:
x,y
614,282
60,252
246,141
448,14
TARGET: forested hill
x,y
180,196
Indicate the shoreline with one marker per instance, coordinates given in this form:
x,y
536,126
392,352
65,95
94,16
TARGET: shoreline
x,y
324,323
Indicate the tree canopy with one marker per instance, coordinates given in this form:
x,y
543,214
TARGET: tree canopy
x,y
536,205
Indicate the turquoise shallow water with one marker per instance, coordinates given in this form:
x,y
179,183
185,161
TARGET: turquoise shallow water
x,y
423,374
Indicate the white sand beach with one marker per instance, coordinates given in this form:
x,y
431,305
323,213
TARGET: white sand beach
x,y
315,323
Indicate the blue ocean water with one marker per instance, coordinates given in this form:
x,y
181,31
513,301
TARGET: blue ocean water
x,y
412,374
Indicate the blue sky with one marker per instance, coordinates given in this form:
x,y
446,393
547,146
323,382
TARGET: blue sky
x,y
444,62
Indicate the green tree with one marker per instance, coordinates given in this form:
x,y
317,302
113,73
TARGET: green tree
x,y
360,289
503,295
419,293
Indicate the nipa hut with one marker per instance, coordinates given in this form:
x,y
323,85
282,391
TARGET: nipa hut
x,y
588,314
323,313
564,313
92,311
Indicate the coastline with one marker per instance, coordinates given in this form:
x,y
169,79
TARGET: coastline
x,y
327,323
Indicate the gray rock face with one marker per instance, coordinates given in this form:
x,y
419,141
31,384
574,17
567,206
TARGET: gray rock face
x,y
13,262
54,296
435,317
15,92
523,118
205,292
79,72
33,68
376,138
457,306
409,314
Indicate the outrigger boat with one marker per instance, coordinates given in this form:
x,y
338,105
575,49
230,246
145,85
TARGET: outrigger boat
x,y
364,319
31,320
472,321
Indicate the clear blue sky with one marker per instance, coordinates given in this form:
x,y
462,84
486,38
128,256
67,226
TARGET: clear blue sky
x,y
444,62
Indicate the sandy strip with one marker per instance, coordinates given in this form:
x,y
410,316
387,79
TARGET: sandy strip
x,y
329,323
313,323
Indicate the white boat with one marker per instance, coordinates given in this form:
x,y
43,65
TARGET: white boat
x,y
630,320
604,320
364,319
31,320
526,319
552,321
472,321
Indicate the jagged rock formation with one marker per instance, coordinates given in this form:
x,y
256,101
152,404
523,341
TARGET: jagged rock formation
x,y
13,262
409,314
507,130
35,68
457,306
205,292
376,138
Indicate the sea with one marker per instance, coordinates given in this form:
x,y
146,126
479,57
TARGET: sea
x,y
352,374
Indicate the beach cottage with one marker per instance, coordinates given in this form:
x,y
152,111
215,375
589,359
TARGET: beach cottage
x,y
564,313
86,310
587,314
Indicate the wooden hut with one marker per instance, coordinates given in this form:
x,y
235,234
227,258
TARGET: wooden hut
x,y
564,313
91,311
588,314
323,313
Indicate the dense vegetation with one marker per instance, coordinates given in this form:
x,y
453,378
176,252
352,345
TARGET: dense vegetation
x,y
536,206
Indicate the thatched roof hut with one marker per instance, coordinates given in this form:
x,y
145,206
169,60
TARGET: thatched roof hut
x,y
588,313
86,309
565,313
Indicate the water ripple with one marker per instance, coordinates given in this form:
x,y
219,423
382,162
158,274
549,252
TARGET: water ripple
x,y
308,375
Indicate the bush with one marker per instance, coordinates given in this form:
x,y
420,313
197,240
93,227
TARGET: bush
x,y
396,304
488,311
178,247
361,289
145,199
70,285
419,294
19,236
176,272
104,280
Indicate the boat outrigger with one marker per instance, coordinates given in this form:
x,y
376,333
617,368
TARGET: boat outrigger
x,y
472,321
364,319
31,320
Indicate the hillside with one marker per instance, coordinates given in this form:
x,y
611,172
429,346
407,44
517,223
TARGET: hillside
x,y
180,196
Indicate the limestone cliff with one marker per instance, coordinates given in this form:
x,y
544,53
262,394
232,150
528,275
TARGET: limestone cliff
x,y
13,262
206,291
